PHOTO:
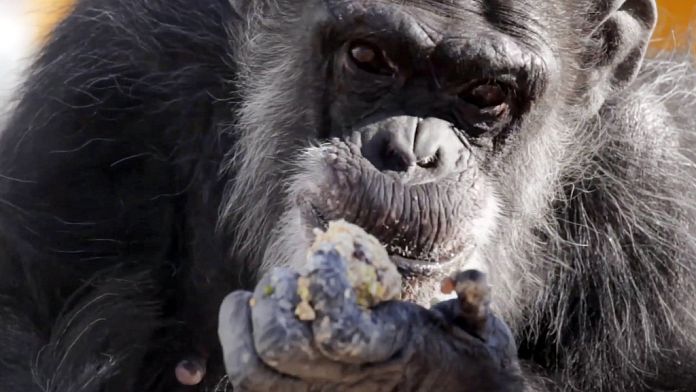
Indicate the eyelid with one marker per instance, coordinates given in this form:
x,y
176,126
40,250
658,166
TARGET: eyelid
x,y
395,30
380,54
459,61
469,92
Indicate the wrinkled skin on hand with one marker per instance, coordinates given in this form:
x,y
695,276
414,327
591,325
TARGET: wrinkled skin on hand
x,y
395,346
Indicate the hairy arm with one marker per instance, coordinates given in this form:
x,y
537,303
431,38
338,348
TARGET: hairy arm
x,y
90,169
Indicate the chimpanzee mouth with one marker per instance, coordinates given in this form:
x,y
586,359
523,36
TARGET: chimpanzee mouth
x,y
426,227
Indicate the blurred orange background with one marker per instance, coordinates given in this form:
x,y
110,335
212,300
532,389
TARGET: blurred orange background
x,y
47,13
676,16
677,24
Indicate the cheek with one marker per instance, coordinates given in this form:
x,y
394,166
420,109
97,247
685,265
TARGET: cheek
x,y
290,238
486,221
528,174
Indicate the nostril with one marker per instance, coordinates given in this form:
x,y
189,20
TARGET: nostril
x,y
394,159
429,162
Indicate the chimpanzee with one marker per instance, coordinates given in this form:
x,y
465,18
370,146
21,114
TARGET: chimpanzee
x,y
164,156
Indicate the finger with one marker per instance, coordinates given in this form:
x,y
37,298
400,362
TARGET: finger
x,y
279,337
282,341
500,342
471,313
244,368
344,331
472,308
445,357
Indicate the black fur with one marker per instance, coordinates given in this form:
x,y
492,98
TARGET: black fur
x,y
94,280
617,310
118,237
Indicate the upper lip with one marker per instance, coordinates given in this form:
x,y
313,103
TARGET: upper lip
x,y
413,221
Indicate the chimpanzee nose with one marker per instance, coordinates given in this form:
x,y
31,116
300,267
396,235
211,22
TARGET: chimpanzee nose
x,y
409,145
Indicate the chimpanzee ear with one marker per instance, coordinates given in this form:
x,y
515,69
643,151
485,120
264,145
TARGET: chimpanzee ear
x,y
622,31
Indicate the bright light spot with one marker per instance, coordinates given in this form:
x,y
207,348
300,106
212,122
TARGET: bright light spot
x,y
15,46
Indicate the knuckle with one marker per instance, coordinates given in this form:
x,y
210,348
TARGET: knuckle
x,y
278,283
233,317
235,302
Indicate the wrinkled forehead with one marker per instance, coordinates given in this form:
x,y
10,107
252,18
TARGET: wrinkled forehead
x,y
528,20
532,23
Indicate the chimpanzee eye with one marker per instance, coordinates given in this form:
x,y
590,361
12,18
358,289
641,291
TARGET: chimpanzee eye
x,y
488,107
370,58
486,95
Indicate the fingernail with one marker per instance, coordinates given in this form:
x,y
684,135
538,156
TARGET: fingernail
x,y
190,371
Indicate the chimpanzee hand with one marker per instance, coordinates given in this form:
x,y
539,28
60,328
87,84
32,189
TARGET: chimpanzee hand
x,y
396,346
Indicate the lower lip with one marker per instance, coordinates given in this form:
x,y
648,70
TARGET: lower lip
x,y
410,267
